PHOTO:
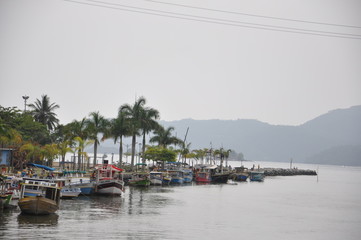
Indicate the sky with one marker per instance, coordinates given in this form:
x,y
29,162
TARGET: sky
x,y
280,62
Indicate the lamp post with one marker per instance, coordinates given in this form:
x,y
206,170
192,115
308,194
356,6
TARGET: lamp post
x,y
25,99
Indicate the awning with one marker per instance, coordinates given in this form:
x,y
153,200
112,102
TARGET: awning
x,y
41,166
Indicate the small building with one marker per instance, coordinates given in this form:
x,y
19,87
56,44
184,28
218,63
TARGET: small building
x,y
5,158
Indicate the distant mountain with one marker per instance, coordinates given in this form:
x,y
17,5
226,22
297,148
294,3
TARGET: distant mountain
x,y
332,138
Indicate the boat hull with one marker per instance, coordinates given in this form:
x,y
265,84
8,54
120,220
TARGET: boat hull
x,y
109,187
142,183
37,205
220,178
69,192
177,180
242,177
256,176
203,177
86,188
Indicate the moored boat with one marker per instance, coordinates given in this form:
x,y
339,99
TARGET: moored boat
x,y
108,180
257,176
156,178
203,177
86,186
177,176
187,176
44,198
241,174
69,192
140,179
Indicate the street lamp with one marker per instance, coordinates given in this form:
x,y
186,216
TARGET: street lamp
x,y
25,99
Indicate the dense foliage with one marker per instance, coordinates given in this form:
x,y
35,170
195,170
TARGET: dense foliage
x,y
36,135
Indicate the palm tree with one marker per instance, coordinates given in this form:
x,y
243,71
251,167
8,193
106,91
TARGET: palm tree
x,y
119,128
134,114
50,151
32,151
64,148
81,144
148,123
96,124
185,152
164,137
76,129
43,112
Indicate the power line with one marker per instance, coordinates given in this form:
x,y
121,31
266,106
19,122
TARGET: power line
x,y
215,21
254,15
225,20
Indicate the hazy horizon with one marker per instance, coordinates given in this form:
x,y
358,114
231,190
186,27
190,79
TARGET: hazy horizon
x,y
283,63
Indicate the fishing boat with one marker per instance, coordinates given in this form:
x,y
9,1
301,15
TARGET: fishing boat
x,y
86,186
156,178
257,176
140,179
108,180
69,192
219,177
203,177
241,174
187,176
177,176
42,197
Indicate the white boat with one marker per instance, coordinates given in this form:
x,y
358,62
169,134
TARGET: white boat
x,y
156,178
69,192
108,180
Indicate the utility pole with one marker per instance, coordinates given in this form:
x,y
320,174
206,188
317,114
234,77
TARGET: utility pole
x,y
25,99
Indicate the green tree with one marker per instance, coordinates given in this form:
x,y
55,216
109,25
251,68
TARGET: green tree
x,y
119,128
43,112
134,113
64,148
148,123
159,153
81,144
32,152
164,137
50,152
96,124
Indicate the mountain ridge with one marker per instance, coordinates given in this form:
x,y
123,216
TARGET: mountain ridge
x,y
311,142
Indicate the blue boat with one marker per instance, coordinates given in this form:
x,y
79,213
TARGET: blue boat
x,y
187,176
177,176
86,186
257,176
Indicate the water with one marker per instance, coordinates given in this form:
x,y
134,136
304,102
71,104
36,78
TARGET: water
x,y
297,207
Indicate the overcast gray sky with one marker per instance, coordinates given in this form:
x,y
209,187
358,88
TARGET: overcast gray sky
x,y
97,55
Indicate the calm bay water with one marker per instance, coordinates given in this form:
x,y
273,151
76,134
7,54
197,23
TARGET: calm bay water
x,y
294,207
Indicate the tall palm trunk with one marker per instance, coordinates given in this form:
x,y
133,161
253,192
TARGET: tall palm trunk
x,y
133,151
143,151
95,153
121,152
79,160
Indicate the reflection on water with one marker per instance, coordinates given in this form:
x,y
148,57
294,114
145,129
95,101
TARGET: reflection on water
x,y
295,207
41,220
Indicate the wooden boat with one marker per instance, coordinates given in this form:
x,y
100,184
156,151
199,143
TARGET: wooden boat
x,y
177,176
166,178
139,179
241,174
220,177
86,186
203,177
44,201
256,176
108,180
187,176
69,192
156,178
